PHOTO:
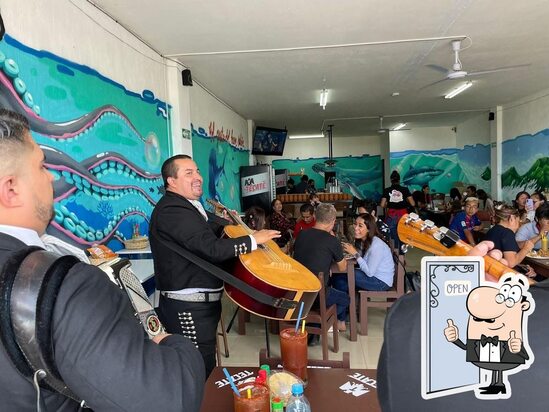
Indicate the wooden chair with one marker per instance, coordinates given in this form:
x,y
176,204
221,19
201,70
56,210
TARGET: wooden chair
x,y
223,334
325,317
388,296
276,363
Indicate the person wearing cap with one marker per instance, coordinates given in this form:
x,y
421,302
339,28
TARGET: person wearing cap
x,y
395,200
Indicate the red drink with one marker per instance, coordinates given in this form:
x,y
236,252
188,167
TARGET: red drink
x,y
293,349
259,400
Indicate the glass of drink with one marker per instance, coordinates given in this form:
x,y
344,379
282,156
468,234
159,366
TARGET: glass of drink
x,y
293,349
254,397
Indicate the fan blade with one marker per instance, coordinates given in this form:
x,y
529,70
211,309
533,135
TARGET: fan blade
x,y
432,84
499,69
438,68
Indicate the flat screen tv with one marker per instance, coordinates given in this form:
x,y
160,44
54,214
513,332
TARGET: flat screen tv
x,y
268,141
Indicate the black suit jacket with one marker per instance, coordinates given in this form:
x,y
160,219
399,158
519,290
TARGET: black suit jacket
x,y
176,220
103,355
506,356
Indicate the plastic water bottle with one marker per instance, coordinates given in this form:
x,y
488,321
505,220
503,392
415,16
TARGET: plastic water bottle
x,y
298,402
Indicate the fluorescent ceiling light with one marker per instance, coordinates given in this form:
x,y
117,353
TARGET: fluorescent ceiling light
x,y
457,91
305,136
323,98
399,126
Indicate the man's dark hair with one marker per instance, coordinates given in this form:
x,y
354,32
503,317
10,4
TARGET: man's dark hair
x,y
291,181
472,188
395,177
13,139
369,205
305,178
13,126
169,167
542,212
424,186
307,207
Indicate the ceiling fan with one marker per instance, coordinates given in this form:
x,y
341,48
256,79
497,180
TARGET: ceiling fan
x,y
382,129
457,72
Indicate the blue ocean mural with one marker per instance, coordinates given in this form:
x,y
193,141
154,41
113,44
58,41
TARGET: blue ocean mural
x,y
103,143
441,169
525,164
361,176
219,155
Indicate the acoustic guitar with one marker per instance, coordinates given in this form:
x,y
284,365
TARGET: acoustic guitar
x,y
271,271
442,242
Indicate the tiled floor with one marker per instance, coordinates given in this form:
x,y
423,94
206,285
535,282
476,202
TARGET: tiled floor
x,y
244,350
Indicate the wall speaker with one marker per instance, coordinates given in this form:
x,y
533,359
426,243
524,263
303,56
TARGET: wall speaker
x,y
186,77
491,116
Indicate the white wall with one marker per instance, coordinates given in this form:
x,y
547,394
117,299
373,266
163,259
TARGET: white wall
x,y
206,108
77,31
424,138
473,131
526,116
314,148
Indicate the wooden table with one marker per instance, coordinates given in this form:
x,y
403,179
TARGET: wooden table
x,y
328,390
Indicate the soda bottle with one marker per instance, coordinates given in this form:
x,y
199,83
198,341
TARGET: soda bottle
x,y
298,402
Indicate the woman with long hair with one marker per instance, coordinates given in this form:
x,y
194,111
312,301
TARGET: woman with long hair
x,y
279,221
507,220
520,205
374,258
254,217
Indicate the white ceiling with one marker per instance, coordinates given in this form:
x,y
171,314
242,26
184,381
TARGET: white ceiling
x,y
282,88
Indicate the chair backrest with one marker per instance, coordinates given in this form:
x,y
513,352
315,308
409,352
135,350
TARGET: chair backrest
x,y
400,273
276,363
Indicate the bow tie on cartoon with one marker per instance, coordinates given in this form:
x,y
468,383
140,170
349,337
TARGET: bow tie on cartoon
x,y
488,339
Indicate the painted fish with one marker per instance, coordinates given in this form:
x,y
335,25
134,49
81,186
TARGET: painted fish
x,y
419,176
351,178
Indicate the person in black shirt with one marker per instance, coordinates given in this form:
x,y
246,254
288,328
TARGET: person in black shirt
x,y
317,249
503,235
303,185
396,199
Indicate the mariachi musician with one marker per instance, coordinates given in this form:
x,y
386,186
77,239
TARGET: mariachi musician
x,y
190,297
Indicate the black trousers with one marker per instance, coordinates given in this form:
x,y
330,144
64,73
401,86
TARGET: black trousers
x,y
195,320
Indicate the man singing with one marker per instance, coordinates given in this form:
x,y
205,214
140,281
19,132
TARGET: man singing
x,y
190,299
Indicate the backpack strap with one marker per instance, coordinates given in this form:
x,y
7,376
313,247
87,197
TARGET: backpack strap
x,y
29,284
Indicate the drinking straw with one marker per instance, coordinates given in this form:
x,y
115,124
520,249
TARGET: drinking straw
x,y
230,379
299,318
303,327
249,392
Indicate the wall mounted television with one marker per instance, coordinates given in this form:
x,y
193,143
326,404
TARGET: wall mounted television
x,y
268,141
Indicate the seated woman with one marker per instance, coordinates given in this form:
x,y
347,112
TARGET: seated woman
x,y
374,257
503,236
279,221
467,222
520,206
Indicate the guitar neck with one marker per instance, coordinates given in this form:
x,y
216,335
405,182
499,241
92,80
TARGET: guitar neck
x,y
413,232
234,216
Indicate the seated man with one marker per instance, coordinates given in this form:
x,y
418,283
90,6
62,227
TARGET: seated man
x,y
467,222
99,347
317,249
533,230
307,220
399,367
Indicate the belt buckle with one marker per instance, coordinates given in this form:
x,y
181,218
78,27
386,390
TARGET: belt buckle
x,y
201,297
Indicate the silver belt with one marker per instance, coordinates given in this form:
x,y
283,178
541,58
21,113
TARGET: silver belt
x,y
194,297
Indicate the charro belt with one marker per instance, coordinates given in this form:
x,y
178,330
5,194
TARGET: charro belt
x,y
194,297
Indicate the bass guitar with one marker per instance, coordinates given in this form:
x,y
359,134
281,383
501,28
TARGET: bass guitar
x,y
442,242
271,271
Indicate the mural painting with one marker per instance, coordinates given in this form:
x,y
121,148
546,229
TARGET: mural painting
x,y
525,164
360,176
219,156
441,169
103,143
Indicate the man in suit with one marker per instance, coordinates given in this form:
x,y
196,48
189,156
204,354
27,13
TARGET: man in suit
x,y
190,297
495,329
99,347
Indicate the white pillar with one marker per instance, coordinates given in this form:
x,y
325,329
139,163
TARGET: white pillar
x,y
496,139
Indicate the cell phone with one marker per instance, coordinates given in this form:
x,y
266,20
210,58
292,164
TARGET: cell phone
x,y
529,204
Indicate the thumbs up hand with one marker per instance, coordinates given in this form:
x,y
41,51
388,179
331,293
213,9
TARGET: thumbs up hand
x,y
514,343
451,331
